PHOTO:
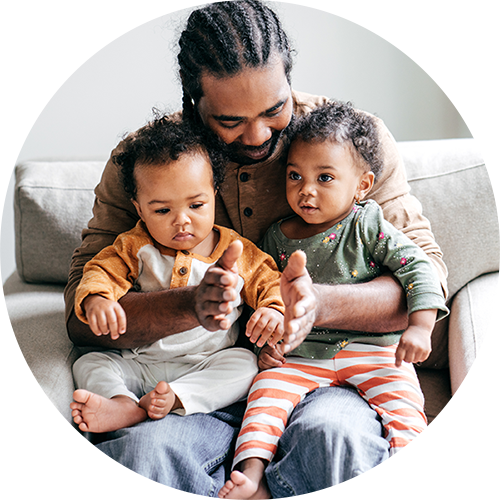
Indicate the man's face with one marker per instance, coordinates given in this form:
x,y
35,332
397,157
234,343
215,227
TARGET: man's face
x,y
247,111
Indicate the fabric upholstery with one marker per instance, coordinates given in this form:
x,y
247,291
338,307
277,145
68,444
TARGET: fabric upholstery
x,y
52,204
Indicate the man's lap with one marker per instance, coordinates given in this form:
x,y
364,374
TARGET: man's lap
x,y
332,435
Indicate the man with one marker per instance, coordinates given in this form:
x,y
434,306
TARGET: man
x,y
235,66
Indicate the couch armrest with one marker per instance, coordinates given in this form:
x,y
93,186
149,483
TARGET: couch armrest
x,y
41,447
474,349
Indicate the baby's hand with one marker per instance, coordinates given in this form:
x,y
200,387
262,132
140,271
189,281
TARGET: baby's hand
x,y
265,325
105,316
270,357
415,344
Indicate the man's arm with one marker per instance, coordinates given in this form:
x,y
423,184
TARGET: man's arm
x,y
152,316
377,306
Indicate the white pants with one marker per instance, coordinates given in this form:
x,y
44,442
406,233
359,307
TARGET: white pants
x,y
220,380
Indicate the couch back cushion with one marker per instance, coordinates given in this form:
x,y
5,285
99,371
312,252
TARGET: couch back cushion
x,y
52,204
451,181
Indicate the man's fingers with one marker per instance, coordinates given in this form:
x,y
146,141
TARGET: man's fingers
x,y
214,323
296,265
231,255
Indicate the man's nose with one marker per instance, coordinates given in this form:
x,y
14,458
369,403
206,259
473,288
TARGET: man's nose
x,y
256,134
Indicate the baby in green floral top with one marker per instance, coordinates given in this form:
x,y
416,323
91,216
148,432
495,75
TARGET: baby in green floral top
x,y
333,162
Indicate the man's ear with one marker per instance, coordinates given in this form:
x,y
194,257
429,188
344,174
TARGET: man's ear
x,y
365,185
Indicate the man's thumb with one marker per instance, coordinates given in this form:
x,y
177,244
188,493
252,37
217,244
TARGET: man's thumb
x,y
231,255
296,265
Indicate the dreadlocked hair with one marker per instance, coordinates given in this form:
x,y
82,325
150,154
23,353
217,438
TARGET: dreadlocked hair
x,y
339,122
222,39
163,140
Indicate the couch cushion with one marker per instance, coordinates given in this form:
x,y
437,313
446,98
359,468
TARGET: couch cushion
x,y
52,204
451,182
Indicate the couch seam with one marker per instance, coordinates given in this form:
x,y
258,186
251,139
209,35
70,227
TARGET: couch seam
x,y
473,330
442,174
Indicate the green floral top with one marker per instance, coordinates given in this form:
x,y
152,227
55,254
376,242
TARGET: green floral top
x,y
358,249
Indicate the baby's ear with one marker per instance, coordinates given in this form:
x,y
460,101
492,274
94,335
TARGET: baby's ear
x,y
365,184
137,207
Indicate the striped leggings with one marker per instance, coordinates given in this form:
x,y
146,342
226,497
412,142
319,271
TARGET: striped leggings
x,y
394,393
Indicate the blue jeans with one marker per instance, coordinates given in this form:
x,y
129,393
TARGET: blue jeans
x,y
332,436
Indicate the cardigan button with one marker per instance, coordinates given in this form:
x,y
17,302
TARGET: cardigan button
x,y
244,176
248,211
183,270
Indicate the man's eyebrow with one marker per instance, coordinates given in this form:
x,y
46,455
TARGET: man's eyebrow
x,y
228,118
276,106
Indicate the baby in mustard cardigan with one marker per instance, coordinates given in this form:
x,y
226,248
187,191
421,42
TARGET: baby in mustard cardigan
x,y
172,181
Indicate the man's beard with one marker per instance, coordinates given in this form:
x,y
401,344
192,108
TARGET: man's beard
x,y
235,152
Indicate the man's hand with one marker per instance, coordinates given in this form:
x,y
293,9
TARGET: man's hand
x,y
105,316
265,325
300,301
217,290
271,357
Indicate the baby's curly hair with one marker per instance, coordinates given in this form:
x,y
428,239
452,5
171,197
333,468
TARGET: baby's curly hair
x,y
163,140
341,123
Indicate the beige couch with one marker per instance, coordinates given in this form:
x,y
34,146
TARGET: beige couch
x,y
53,202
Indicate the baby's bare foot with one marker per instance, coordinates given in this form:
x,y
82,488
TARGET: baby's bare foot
x,y
249,484
94,413
160,402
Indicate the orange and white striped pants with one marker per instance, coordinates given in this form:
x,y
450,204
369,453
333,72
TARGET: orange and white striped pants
x,y
394,393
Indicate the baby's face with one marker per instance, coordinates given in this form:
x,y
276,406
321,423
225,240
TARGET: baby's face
x,y
322,182
176,201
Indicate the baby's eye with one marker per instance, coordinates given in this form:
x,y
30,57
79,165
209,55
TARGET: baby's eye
x,y
195,206
162,211
294,176
325,178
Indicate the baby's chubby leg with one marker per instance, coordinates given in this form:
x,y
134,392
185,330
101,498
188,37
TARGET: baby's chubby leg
x,y
94,413
104,403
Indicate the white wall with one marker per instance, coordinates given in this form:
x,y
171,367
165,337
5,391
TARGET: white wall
x,y
76,75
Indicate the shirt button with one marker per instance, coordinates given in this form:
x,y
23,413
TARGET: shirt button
x,y
248,211
185,252
244,177
183,271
